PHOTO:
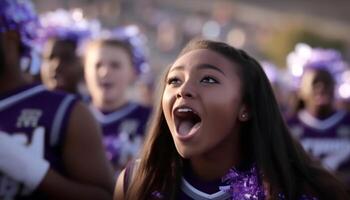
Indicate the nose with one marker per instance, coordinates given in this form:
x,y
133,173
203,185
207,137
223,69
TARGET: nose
x,y
103,70
186,91
320,86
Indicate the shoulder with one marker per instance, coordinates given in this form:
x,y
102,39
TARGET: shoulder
x,y
124,179
81,117
119,188
56,99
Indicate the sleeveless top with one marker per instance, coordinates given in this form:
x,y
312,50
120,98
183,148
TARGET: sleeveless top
x,y
242,186
24,109
189,187
123,132
327,140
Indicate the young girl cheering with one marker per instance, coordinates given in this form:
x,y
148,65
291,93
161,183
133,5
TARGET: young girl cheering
x,y
110,68
217,133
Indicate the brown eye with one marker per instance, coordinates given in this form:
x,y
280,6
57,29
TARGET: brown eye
x,y
174,81
209,80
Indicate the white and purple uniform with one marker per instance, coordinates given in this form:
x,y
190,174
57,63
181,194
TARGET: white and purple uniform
x,y
24,109
327,139
123,132
193,188
235,185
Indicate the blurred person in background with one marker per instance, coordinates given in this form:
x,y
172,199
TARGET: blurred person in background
x,y
112,64
322,128
63,33
61,68
43,145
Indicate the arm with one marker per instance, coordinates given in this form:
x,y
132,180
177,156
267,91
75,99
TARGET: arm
x,y
119,188
89,173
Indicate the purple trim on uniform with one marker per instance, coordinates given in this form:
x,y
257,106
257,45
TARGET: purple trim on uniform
x,y
6,94
109,117
193,187
20,95
318,124
206,186
23,110
123,132
327,140
58,120
194,193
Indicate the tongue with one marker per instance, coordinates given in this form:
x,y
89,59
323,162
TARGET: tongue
x,y
185,127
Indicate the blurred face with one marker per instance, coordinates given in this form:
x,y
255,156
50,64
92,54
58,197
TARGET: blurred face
x,y
201,103
317,89
61,68
108,74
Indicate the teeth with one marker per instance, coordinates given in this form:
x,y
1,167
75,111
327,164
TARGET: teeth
x,y
184,110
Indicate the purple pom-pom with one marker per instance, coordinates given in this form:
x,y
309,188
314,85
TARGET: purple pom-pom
x,y
157,195
132,35
19,15
243,185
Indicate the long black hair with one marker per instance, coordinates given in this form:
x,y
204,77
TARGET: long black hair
x,y
285,166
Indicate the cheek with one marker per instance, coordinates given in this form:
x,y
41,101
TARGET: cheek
x,y
90,76
121,81
45,72
45,67
166,103
223,109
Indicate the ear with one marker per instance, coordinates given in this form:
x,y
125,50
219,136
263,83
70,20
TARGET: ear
x,y
244,113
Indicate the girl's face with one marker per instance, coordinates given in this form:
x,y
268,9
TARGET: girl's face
x,y
317,88
108,74
201,103
61,68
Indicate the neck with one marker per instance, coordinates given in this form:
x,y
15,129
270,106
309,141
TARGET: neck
x,y
216,164
321,112
72,90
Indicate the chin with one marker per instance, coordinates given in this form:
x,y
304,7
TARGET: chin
x,y
186,153
109,98
183,152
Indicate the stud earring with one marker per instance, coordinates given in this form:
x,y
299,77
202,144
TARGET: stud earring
x,y
244,115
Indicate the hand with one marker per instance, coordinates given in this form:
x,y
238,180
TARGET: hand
x,y
24,163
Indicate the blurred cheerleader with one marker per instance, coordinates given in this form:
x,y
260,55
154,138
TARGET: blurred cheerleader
x,y
50,144
112,64
323,130
61,37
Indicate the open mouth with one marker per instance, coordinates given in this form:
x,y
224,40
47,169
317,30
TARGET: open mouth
x,y
322,98
106,85
186,119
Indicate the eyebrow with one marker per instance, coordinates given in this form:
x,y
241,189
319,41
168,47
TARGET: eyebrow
x,y
200,67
